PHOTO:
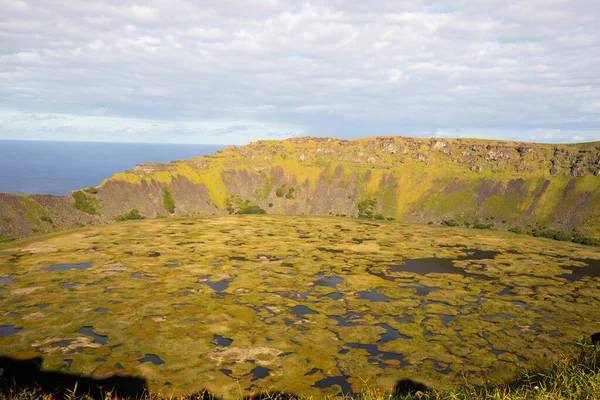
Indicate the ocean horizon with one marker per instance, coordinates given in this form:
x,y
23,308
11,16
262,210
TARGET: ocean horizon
x,y
59,168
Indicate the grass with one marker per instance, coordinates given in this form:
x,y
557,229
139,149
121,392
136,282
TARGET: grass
x,y
130,215
271,265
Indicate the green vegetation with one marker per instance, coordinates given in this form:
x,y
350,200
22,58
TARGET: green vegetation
x,y
251,209
85,203
290,194
574,376
564,236
263,192
482,225
366,208
536,231
168,200
91,190
131,215
4,238
450,222
280,192
236,205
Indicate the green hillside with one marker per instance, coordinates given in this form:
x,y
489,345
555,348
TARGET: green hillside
x,y
488,184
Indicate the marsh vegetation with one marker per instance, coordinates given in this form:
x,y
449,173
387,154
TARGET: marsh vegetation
x,y
309,305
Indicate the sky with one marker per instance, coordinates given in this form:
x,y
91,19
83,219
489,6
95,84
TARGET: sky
x,y
232,72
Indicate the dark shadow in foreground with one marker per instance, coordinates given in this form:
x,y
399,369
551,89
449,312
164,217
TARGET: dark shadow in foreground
x,y
28,374
407,387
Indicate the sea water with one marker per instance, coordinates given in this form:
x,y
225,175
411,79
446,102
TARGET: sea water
x,y
61,167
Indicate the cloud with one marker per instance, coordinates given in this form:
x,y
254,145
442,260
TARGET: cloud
x,y
100,127
341,68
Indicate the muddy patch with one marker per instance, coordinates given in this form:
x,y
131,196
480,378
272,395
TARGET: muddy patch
x,y
261,355
64,346
26,290
41,250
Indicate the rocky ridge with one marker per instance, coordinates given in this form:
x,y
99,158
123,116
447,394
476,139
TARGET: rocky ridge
x,y
502,184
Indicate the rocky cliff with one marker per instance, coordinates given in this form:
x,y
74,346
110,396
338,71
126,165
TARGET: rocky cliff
x,y
493,183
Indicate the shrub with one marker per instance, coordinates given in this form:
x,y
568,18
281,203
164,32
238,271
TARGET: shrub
x,y
564,236
290,194
366,208
131,215
84,203
379,217
91,190
518,229
5,238
251,209
449,222
280,192
168,200
46,218
480,225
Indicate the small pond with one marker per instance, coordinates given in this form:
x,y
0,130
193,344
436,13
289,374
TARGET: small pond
x,y
67,267
89,331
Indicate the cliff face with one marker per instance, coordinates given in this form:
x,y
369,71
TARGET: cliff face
x,y
504,184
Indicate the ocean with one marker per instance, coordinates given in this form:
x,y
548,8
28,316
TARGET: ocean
x,y
61,167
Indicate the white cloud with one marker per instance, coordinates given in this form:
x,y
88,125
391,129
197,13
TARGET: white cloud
x,y
479,68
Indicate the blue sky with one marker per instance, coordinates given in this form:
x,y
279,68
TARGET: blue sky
x,y
183,71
